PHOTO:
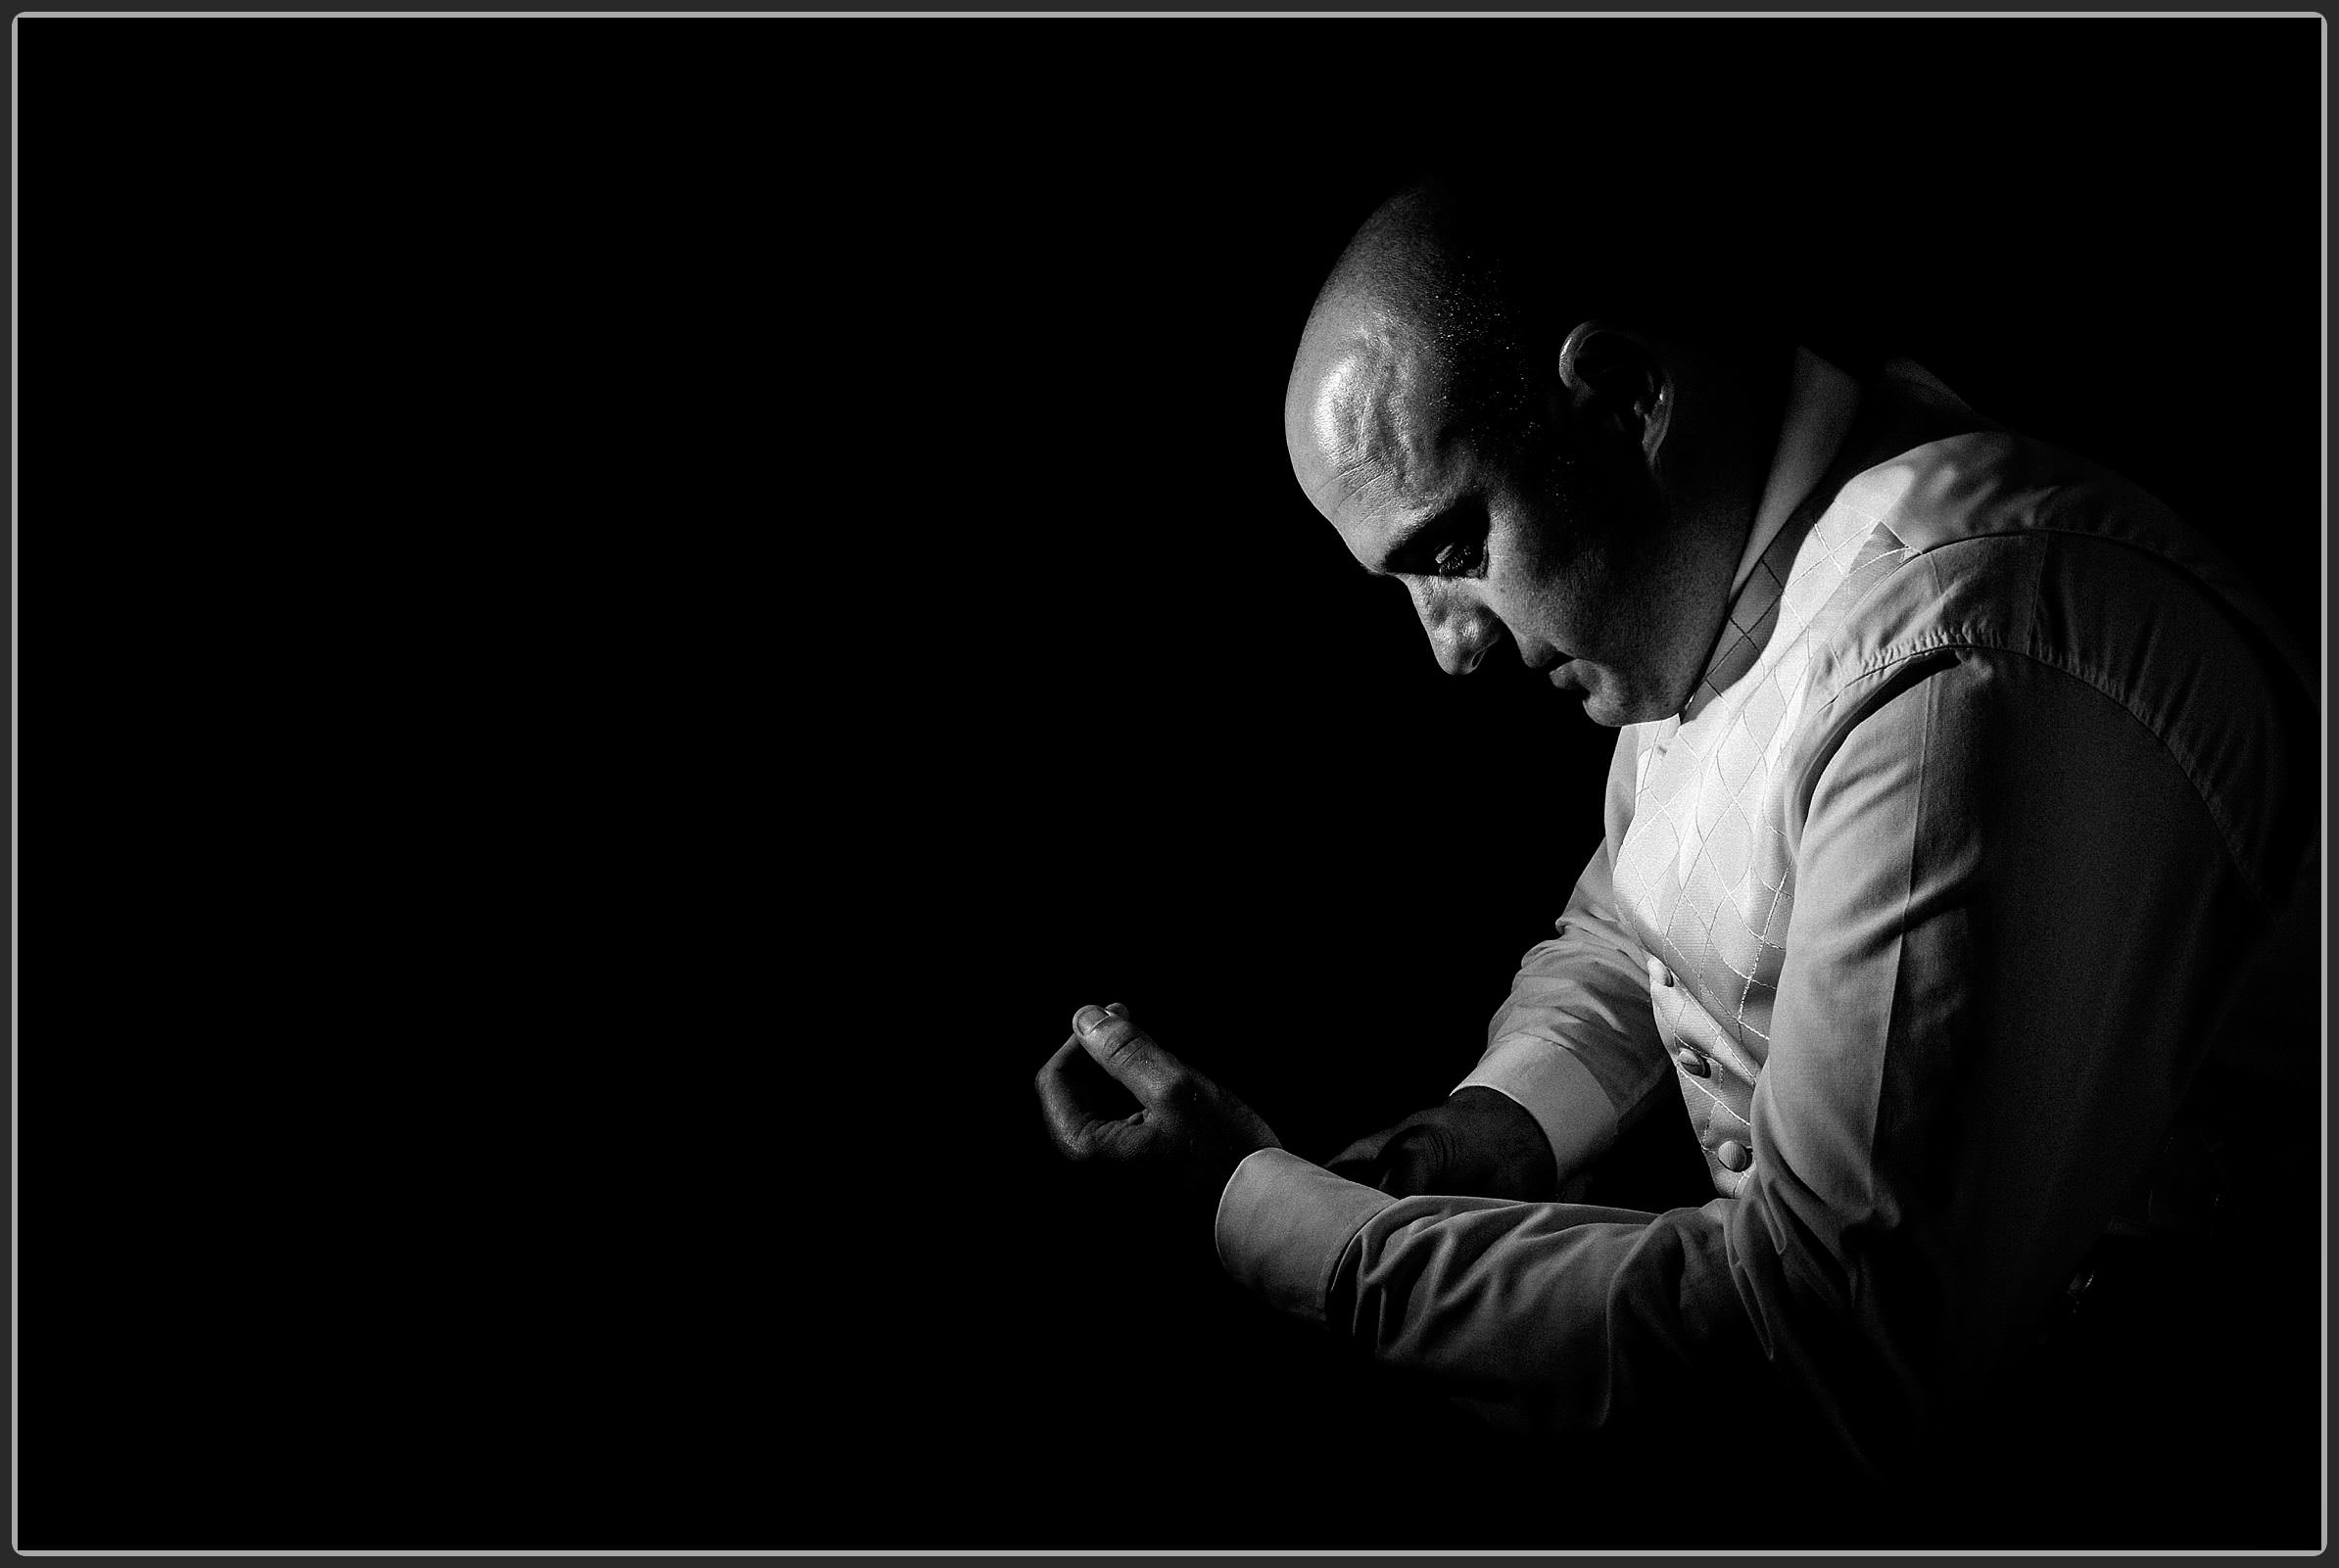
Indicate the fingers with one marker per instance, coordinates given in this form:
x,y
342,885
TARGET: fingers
x,y
1059,1099
1087,1114
1127,1052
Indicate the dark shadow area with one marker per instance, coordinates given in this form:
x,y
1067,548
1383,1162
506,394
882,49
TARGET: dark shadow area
x,y
627,618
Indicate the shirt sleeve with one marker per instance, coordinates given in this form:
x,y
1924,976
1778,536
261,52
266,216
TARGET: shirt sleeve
x,y
2012,920
1576,1042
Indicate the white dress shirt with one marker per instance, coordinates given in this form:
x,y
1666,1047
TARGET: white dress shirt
x,y
1969,851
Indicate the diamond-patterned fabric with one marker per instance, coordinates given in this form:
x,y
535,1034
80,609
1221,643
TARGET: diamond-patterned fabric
x,y
1703,875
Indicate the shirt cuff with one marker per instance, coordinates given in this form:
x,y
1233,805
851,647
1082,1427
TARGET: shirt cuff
x,y
1557,1090
1283,1224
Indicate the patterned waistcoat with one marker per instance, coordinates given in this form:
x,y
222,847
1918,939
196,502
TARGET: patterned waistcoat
x,y
1704,875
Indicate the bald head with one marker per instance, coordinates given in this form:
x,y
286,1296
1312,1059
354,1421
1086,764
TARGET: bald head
x,y
1483,279
1478,405
1368,394
1408,332
1408,341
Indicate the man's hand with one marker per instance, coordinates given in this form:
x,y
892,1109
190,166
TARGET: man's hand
x,y
1480,1143
1183,1132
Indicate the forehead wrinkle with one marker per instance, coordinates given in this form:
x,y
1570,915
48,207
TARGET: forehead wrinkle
x,y
1370,408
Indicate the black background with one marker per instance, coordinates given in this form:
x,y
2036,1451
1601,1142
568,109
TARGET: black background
x,y
626,617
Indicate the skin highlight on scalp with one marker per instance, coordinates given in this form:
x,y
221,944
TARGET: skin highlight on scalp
x,y
1354,395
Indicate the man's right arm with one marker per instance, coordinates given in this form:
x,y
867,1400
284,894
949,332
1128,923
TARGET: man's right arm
x,y
1572,1056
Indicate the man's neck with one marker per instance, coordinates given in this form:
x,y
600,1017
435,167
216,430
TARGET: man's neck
x,y
1816,408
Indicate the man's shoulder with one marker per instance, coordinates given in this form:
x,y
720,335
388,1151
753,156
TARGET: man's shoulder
x,y
1990,546
1990,538
1994,484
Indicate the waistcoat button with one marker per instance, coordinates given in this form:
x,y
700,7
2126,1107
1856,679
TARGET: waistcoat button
x,y
1691,1062
1734,1156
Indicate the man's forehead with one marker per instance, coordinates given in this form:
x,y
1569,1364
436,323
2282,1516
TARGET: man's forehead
x,y
1336,421
1365,412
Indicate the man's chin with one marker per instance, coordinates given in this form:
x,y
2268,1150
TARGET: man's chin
x,y
1605,704
1600,710
1608,699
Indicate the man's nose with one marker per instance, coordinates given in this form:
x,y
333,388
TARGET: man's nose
x,y
1460,628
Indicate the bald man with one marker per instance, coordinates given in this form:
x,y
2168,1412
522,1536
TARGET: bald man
x,y
1957,845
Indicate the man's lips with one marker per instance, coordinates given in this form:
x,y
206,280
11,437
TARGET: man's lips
x,y
1563,675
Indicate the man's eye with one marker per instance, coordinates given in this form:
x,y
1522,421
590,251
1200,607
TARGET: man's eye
x,y
1459,559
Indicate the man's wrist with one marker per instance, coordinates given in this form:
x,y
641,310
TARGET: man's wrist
x,y
1505,1135
1555,1089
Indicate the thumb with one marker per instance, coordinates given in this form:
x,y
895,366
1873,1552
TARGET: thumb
x,y
1361,1155
1127,1052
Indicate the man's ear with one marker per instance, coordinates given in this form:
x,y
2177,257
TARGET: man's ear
x,y
1616,377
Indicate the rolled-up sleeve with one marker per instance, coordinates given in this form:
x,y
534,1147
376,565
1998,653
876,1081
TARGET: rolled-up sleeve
x,y
2014,919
